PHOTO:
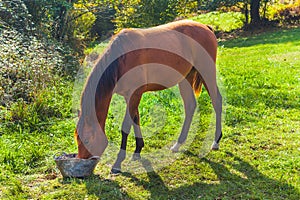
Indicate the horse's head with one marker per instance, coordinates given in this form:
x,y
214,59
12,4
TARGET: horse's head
x,y
82,151
91,140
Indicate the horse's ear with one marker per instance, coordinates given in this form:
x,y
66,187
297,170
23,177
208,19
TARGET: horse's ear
x,y
210,27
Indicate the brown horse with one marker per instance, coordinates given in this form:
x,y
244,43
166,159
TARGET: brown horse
x,y
141,60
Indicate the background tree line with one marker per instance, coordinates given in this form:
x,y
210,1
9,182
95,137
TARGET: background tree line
x,y
64,28
78,22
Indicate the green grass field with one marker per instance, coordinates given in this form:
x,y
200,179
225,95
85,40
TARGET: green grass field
x,y
221,21
260,151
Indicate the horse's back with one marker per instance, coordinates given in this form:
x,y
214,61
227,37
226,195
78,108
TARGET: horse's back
x,y
188,27
200,33
149,51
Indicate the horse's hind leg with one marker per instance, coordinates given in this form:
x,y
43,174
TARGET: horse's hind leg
x,y
189,101
218,110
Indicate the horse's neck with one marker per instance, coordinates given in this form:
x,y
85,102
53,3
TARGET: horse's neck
x,y
94,106
102,103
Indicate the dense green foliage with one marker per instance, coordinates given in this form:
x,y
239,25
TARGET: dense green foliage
x,y
285,13
34,70
145,13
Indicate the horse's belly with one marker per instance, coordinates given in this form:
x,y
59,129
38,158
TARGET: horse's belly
x,y
150,77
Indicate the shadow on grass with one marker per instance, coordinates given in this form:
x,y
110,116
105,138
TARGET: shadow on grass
x,y
245,183
235,180
273,37
155,186
100,187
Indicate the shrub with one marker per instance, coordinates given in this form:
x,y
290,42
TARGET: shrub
x,y
290,14
34,71
285,13
16,14
27,66
34,79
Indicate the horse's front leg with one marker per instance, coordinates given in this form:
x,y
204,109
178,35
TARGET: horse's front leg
x,y
135,117
126,126
138,137
116,169
131,118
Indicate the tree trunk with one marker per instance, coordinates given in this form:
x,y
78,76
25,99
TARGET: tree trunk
x,y
199,4
254,11
246,13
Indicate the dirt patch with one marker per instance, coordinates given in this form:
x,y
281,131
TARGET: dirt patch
x,y
51,176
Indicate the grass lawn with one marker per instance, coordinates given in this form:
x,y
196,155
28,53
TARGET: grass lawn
x,y
221,21
260,151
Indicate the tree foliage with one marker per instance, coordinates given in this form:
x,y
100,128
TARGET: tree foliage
x,y
254,10
144,13
36,36
29,63
15,13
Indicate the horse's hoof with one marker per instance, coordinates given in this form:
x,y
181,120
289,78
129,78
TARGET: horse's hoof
x,y
115,171
175,147
136,156
215,146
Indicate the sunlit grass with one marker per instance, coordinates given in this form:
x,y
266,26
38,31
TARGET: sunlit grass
x,y
220,21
